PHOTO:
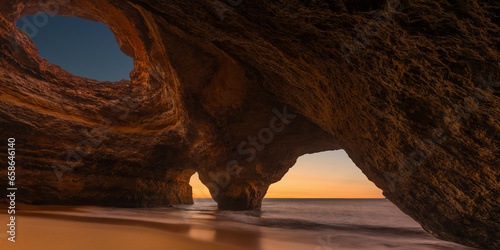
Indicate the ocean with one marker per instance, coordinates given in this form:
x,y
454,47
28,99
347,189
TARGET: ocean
x,y
281,224
323,224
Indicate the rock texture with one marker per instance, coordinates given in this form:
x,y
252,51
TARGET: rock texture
x,y
237,91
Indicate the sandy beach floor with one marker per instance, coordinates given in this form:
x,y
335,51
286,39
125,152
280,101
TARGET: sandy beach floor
x,y
52,234
36,230
95,228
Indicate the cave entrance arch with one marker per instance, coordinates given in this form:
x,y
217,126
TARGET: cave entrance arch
x,y
328,174
200,191
81,47
201,194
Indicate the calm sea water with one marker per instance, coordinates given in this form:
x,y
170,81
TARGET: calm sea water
x,y
286,224
324,224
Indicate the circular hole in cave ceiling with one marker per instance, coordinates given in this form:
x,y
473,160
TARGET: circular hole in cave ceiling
x,y
81,47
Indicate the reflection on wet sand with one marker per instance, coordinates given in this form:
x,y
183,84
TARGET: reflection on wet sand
x,y
59,227
203,227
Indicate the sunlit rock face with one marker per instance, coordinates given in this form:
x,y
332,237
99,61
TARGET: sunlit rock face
x,y
237,91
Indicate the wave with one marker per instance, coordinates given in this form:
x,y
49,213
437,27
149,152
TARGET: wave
x,y
253,218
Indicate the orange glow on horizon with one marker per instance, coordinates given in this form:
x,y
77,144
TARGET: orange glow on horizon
x,y
199,190
329,174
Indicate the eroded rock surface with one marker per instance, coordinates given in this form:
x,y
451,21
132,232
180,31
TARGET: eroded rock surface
x,y
409,89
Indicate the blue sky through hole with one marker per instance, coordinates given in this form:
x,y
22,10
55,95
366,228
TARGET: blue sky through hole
x,y
81,47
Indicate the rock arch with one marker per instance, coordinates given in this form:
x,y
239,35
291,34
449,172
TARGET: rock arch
x,y
413,102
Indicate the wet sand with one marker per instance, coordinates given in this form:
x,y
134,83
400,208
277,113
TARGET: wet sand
x,y
38,230
51,234
86,227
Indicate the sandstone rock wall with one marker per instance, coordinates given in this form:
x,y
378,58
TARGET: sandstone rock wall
x,y
238,91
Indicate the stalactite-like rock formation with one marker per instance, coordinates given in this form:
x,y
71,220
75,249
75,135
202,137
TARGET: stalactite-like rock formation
x,y
237,91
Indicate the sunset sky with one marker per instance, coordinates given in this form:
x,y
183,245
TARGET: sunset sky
x,y
329,174
89,49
